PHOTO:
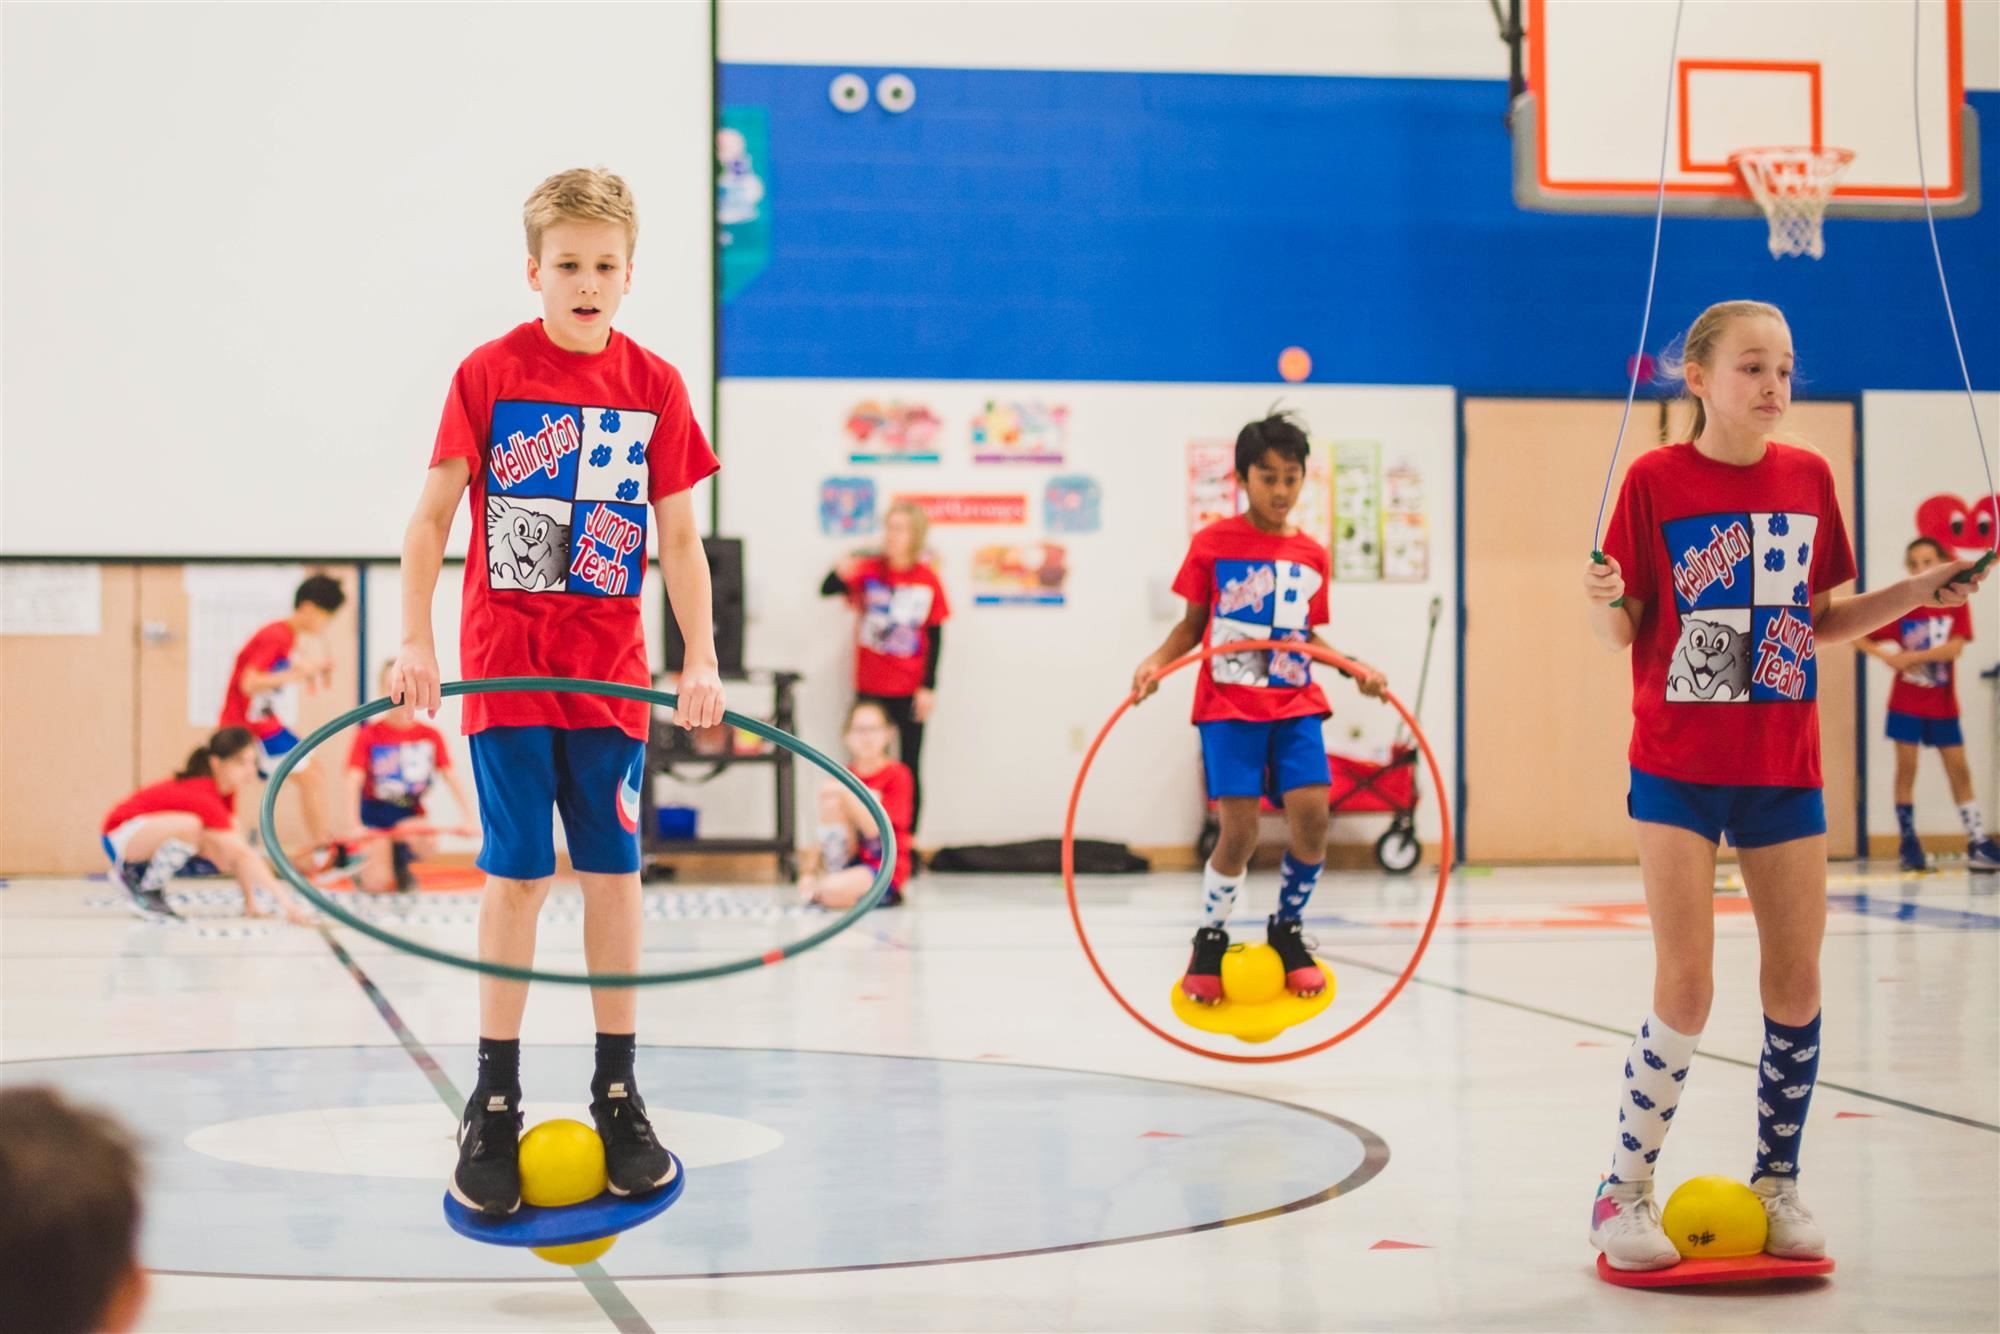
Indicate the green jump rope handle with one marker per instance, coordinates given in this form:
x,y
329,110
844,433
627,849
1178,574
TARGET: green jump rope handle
x,y
1598,556
1967,576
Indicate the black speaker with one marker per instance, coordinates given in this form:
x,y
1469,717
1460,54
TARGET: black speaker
x,y
725,575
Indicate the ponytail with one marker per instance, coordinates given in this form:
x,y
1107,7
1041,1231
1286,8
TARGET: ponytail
x,y
224,745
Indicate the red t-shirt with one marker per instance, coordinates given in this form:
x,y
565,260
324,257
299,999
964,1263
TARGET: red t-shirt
x,y
896,788
898,609
267,712
1725,674
399,762
568,450
1929,689
192,796
1256,585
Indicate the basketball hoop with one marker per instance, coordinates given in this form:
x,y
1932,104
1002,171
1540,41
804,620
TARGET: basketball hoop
x,y
1793,187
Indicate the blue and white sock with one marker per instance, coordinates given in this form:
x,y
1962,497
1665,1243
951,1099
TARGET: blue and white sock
x,y
1656,1071
1975,820
166,863
1785,1079
836,848
1906,821
1218,894
1296,883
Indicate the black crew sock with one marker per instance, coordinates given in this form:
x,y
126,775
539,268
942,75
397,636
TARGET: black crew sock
x,y
500,1069
615,1053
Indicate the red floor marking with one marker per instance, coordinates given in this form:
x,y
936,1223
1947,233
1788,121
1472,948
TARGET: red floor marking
x,y
1161,1134
1854,1116
1593,1044
991,1056
1386,1245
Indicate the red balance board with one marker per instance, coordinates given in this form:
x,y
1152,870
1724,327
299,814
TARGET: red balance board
x,y
1694,1273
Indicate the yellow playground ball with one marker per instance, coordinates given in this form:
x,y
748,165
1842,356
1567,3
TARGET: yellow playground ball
x,y
1252,975
580,1253
562,1163
1715,1218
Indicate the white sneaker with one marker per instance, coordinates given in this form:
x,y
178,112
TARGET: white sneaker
x,y
1625,1225
1794,1234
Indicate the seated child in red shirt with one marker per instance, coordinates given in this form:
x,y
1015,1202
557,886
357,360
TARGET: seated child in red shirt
x,y
850,844
157,830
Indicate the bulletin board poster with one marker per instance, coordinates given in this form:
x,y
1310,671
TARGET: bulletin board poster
x,y
1357,511
976,509
1072,505
1031,574
1211,483
742,214
1406,537
847,507
892,431
1020,431
1314,512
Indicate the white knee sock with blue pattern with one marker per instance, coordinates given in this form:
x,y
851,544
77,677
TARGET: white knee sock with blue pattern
x,y
1656,1070
1218,894
1786,1073
1296,882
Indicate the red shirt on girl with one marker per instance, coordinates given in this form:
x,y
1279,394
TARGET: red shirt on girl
x,y
898,609
399,762
1727,559
895,787
193,796
1929,689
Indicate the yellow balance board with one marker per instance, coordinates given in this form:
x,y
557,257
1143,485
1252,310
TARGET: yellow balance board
x,y
1255,1005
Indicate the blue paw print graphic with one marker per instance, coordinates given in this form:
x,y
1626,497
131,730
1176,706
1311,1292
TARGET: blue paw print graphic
x,y
1613,1179
1651,1059
628,489
607,420
1630,1141
1667,1115
1651,1154
1799,594
1645,1030
1628,1069
600,456
1778,525
1680,1074
1805,553
1774,560
1641,1101
1621,1116
637,453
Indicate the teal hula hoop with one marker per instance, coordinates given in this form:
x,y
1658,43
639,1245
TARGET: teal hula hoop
x,y
577,686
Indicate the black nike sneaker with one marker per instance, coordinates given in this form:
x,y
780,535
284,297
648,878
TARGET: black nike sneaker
x,y
1203,980
634,1161
1302,974
150,904
488,1177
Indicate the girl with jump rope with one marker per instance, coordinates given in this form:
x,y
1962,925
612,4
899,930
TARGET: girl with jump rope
x,y
1716,572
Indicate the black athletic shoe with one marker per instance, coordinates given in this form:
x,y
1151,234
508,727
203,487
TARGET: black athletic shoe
x,y
488,1177
1302,974
1203,980
634,1161
150,904
406,879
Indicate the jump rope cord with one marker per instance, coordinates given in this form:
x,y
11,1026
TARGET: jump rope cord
x,y
1652,277
1930,218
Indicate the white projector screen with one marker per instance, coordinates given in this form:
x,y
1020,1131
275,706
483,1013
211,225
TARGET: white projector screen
x,y
245,246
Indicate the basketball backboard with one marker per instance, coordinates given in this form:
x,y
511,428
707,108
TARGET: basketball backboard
x,y
1748,74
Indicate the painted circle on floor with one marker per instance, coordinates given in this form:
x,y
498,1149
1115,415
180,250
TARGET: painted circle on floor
x,y
306,1162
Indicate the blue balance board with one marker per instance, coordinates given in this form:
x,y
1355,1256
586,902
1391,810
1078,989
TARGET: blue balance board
x,y
605,1216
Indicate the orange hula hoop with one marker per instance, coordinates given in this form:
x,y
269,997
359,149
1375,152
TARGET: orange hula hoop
x,y
1346,666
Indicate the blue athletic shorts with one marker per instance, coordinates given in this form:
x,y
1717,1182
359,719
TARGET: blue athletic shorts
x,y
1246,759
526,774
1911,730
272,748
385,814
1752,816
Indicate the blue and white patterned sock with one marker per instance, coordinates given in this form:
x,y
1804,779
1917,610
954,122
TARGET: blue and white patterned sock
x,y
1974,820
1906,821
1656,1071
1296,883
1785,1079
1218,894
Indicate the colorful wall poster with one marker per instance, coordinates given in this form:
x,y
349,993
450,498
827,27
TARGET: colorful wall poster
x,y
1002,509
1211,483
1314,512
1022,431
742,214
1357,511
847,506
891,431
1072,505
1406,537
1029,575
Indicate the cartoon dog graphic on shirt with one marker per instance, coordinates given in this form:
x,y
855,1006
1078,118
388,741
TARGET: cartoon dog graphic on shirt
x,y
525,548
1711,664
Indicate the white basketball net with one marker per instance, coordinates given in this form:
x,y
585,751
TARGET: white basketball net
x,y
1793,185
